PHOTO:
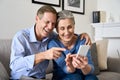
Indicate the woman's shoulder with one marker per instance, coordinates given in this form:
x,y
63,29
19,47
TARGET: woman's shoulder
x,y
54,40
81,41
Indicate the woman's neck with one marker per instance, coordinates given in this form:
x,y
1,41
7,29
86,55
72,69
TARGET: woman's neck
x,y
70,44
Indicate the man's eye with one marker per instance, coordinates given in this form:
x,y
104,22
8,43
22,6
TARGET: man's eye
x,y
53,24
47,22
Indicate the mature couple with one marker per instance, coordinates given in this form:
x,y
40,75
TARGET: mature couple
x,y
32,48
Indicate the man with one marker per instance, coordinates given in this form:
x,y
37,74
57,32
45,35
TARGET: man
x,y
29,54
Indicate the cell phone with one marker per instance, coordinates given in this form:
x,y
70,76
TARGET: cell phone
x,y
83,49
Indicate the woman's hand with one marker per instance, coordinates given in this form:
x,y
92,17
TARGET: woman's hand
x,y
69,65
80,62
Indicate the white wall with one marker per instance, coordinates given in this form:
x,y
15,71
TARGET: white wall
x,y
15,15
111,7
83,22
18,14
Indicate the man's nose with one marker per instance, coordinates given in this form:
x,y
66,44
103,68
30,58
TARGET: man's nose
x,y
51,26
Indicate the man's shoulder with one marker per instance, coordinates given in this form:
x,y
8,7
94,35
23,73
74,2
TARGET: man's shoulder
x,y
22,34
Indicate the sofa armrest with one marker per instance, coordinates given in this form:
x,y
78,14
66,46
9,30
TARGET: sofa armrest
x,y
3,73
113,64
50,67
49,71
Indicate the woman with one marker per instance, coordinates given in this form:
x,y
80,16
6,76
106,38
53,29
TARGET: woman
x,y
68,66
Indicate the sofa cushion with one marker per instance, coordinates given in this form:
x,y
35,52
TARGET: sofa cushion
x,y
102,53
113,64
3,73
5,46
108,76
95,58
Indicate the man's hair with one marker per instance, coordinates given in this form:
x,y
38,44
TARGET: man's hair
x,y
44,9
65,14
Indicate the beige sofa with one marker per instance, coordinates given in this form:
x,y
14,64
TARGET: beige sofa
x,y
111,73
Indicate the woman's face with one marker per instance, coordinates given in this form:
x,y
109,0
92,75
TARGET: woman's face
x,y
65,29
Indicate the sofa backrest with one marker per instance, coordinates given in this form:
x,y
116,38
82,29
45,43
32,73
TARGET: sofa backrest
x,y
5,50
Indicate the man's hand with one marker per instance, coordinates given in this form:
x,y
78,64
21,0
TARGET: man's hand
x,y
52,53
87,37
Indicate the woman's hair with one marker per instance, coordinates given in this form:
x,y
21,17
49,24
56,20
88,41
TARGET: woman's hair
x,y
44,9
65,14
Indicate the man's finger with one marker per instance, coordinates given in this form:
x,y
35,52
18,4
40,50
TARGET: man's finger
x,y
81,37
88,43
59,49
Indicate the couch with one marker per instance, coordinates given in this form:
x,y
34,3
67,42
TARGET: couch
x,y
112,72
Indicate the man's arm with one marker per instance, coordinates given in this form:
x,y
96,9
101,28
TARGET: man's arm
x,y
18,60
87,37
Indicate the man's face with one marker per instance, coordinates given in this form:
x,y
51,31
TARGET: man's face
x,y
65,30
45,25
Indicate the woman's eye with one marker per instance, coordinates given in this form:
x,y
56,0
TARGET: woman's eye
x,y
70,27
61,28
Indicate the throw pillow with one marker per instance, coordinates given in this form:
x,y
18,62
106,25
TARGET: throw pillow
x,y
3,73
95,58
102,53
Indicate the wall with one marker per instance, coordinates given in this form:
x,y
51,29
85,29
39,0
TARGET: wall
x,y
18,14
111,7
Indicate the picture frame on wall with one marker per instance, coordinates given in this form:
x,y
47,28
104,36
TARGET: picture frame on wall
x,y
75,6
48,2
